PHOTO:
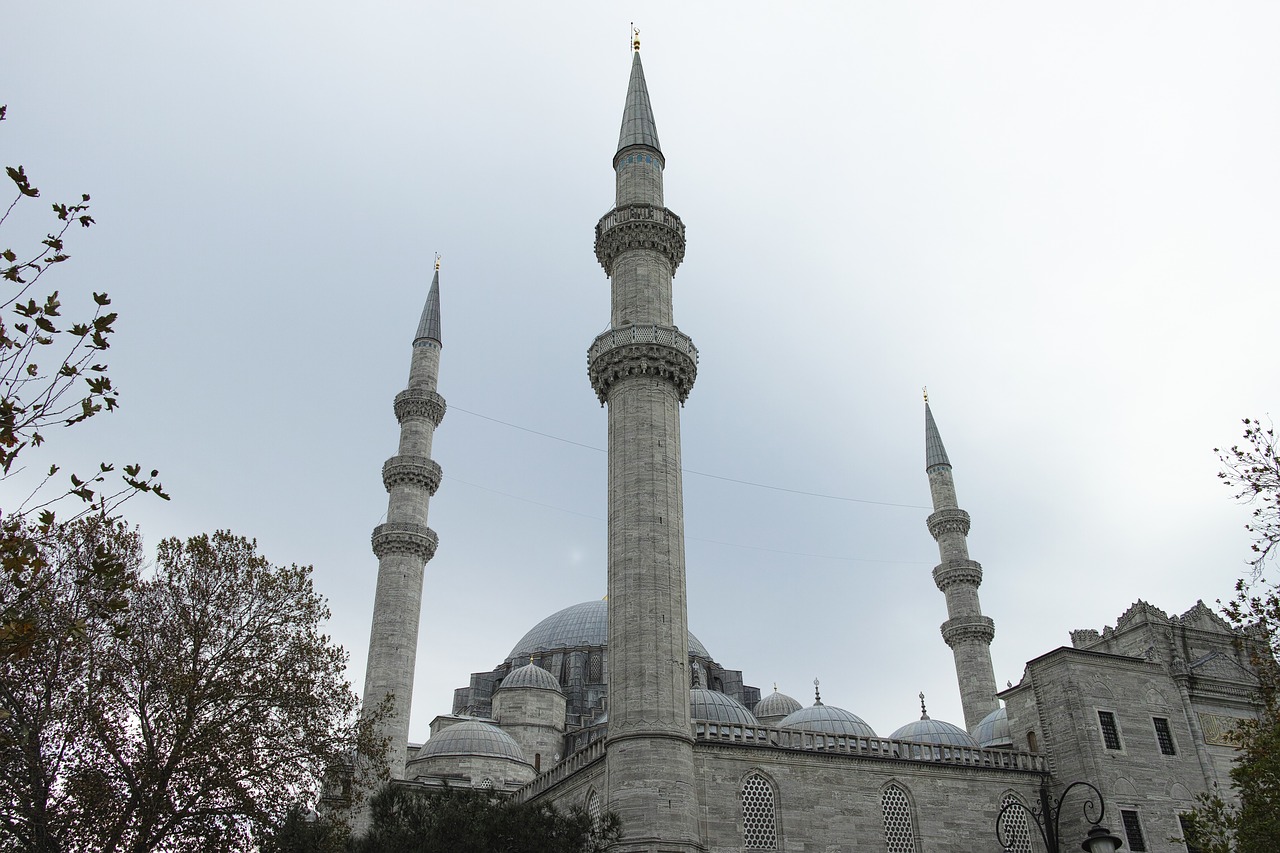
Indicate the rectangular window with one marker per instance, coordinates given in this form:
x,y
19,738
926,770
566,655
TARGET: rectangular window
x,y
1188,824
1110,734
1133,831
1164,736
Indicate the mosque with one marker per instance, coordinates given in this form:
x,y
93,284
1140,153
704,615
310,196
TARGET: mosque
x,y
615,705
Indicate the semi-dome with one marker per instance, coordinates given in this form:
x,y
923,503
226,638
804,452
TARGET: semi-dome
x,y
926,730
580,626
472,738
716,707
530,675
828,719
993,731
777,705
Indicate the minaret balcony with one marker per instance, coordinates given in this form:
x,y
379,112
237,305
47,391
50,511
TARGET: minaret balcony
x,y
952,572
949,520
414,540
639,226
642,350
967,629
412,470
419,403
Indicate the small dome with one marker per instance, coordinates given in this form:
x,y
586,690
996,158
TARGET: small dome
x,y
829,719
938,732
530,675
719,708
584,625
993,731
776,705
472,738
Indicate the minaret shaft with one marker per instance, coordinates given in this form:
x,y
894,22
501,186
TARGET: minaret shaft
x,y
404,543
642,369
967,631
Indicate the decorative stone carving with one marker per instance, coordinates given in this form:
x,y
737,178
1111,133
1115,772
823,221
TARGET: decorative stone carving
x,y
639,226
966,628
950,520
1082,638
648,350
419,403
415,470
404,538
1219,730
952,572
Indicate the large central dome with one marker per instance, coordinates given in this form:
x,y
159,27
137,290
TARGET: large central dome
x,y
577,627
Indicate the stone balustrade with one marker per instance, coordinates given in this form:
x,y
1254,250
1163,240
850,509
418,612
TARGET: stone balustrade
x,y
642,349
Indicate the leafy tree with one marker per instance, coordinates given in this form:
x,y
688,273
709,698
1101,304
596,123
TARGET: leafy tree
x,y
46,697
451,820
51,375
1253,824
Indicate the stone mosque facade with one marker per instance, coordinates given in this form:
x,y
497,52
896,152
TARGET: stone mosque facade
x,y
615,705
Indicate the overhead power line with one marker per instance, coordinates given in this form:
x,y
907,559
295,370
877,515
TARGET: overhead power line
x,y
844,498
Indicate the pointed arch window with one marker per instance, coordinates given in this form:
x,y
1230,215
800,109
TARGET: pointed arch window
x,y
899,825
759,814
594,812
1018,830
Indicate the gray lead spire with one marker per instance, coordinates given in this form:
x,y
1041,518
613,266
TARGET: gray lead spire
x,y
934,452
638,126
429,325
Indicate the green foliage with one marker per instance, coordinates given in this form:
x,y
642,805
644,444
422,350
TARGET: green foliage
x,y
51,374
1252,825
447,820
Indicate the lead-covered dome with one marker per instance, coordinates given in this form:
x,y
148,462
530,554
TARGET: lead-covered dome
x,y
716,707
776,705
926,730
472,737
530,675
828,719
993,731
580,626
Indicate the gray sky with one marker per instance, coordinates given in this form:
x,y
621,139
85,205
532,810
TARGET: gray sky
x,y
1062,218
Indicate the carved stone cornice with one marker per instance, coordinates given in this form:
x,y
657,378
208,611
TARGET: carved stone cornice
x,y
639,226
952,572
419,403
967,628
414,470
642,350
950,520
416,540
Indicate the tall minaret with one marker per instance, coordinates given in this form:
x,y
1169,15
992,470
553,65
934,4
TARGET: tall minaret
x,y
967,631
643,368
404,543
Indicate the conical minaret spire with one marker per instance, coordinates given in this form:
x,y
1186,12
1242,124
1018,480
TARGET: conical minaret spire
x,y
404,543
642,368
967,631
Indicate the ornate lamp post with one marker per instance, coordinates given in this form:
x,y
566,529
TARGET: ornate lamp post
x,y
1047,815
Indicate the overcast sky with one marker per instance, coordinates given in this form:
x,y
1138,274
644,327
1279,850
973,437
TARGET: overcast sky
x,y
1062,218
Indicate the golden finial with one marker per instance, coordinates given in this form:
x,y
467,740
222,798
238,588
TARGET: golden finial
x,y
924,715
775,687
530,660
817,697
437,260
635,37
925,389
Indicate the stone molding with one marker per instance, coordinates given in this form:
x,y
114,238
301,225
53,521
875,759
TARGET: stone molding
x,y
419,403
642,350
639,226
967,628
949,520
415,540
414,470
952,572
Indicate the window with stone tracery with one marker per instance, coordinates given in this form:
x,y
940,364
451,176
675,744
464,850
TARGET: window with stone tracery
x,y
759,821
899,829
1016,829
593,812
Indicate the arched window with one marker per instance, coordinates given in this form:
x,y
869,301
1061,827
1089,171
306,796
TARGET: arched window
x,y
899,830
593,811
1017,830
759,822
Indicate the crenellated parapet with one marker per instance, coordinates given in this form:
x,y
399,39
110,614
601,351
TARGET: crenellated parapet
x,y
952,572
419,403
404,538
642,350
411,470
970,628
948,520
639,226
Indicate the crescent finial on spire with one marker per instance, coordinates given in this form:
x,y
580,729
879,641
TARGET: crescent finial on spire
x,y
925,389
635,37
437,260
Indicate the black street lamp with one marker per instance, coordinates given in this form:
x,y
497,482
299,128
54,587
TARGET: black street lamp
x,y
1047,815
